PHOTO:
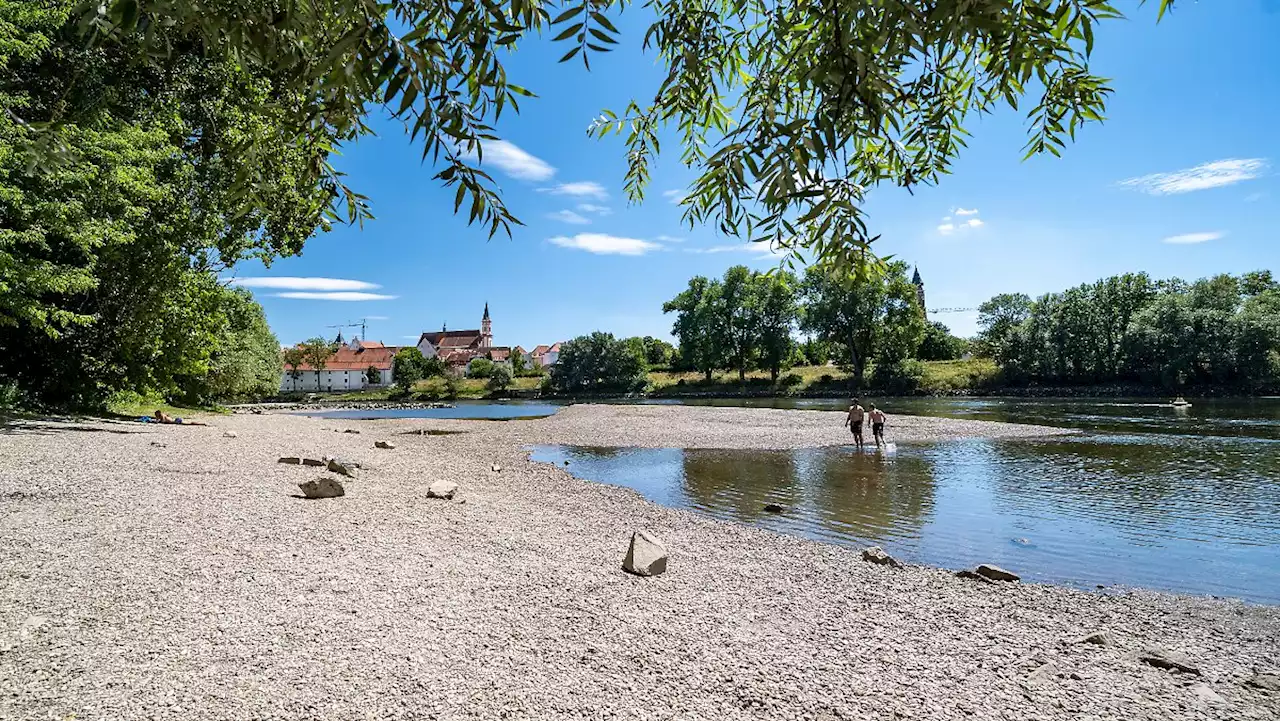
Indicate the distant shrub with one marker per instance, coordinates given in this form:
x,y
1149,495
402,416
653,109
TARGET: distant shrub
x,y
480,368
898,377
790,380
499,378
826,378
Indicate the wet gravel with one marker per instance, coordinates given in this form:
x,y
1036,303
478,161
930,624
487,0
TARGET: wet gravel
x,y
173,573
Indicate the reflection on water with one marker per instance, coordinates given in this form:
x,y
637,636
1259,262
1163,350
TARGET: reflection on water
x,y
1161,511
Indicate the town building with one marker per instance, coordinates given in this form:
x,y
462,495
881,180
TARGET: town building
x,y
458,348
347,369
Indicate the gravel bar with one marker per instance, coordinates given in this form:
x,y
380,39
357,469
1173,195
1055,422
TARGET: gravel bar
x,y
162,572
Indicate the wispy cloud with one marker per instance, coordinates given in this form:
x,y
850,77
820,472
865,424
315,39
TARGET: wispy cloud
x,y
674,195
603,244
966,211
347,296
1217,174
376,317
948,226
514,161
668,239
597,209
1254,197
294,283
568,216
1192,238
974,223
578,189
763,250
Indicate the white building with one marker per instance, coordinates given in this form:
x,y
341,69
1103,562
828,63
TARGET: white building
x,y
346,370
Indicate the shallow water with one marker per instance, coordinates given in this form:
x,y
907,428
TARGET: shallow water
x,y
1158,510
461,410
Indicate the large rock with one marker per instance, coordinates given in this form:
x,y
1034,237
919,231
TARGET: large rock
x,y
442,489
384,445
646,556
314,462
1265,681
1168,660
230,434
995,573
343,467
323,487
1097,638
876,555
291,460
972,576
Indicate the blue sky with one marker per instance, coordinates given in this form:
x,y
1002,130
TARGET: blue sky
x,y
1181,180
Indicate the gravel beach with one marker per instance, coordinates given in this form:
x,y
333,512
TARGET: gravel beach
x,y
161,572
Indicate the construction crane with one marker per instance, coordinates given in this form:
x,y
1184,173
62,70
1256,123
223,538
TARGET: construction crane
x,y
952,310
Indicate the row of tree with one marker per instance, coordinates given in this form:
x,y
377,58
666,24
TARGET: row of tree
x,y
1223,330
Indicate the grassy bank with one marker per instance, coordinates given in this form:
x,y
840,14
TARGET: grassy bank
x,y
133,405
940,377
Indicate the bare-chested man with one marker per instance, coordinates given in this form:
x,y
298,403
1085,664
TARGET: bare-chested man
x,y
854,421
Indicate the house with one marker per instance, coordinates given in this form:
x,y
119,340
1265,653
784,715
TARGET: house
x,y
347,369
546,355
458,348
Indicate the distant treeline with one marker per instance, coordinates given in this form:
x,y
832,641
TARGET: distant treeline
x,y
1223,330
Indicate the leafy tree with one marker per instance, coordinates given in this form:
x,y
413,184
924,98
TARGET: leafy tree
x,y
638,348
372,376
785,150
317,351
876,315
499,378
432,367
407,367
480,368
597,362
658,352
816,352
939,344
779,314
293,357
698,325
519,362
998,319
246,364
740,309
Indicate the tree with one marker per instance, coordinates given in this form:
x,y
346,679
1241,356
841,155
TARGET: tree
x,y
372,376
317,351
876,315
785,150
597,362
246,363
779,314
407,367
638,348
998,319
519,363
938,343
432,367
294,357
499,378
816,352
739,310
698,325
658,352
480,368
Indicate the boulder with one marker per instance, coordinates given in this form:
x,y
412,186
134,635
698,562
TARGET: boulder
x,y
995,573
1097,638
1168,660
323,487
1265,681
442,489
343,467
1203,693
773,508
291,460
973,576
384,444
230,434
646,556
351,430
876,555
313,462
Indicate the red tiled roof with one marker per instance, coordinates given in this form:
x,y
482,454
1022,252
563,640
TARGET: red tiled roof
x,y
371,344
541,349
351,359
500,353
452,338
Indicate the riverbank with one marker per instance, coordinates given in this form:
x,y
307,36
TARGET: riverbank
x,y
170,572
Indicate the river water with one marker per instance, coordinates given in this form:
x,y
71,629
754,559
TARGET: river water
x,y
1151,496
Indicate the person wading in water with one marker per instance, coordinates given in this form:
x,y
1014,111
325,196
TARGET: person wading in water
x,y
877,425
854,421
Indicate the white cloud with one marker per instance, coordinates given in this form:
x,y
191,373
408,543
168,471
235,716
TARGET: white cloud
x,y
513,160
668,239
974,223
965,211
597,209
1192,238
335,296
578,189
947,219
376,317
293,283
1254,197
568,216
1217,174
759,249
603,244
674,195
947,228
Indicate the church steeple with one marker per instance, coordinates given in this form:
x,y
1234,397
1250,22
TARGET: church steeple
x,y
918,282
486,329
486,311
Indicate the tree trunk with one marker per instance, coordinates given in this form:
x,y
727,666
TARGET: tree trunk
x,y
707,373
742,371
773,374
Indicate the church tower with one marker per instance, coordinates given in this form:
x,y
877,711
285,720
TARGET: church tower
x,y
486,329
919,284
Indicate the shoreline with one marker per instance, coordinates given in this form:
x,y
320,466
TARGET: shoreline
x,y
183,580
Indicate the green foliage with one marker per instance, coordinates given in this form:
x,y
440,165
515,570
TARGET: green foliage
x,y
499,378
293,358
597,362
246,364
998,318
519,362
480,368
1221,330
816,352
791,380
658,352
939,344
432,367
372,376
902,376
317,351
699,325
407,367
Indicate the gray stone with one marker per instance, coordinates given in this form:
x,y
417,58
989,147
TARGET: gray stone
x,y
995,573
1168,660
343,467
230,434
351,430
323,487
496,468
384,445
1265,681
1203,693
773,508
973,576
442,489
1097,638
646,556
291,460
876,555
313,462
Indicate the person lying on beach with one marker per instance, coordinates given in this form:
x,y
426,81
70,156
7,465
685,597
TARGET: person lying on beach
x,y
162,417
877,424
854,421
